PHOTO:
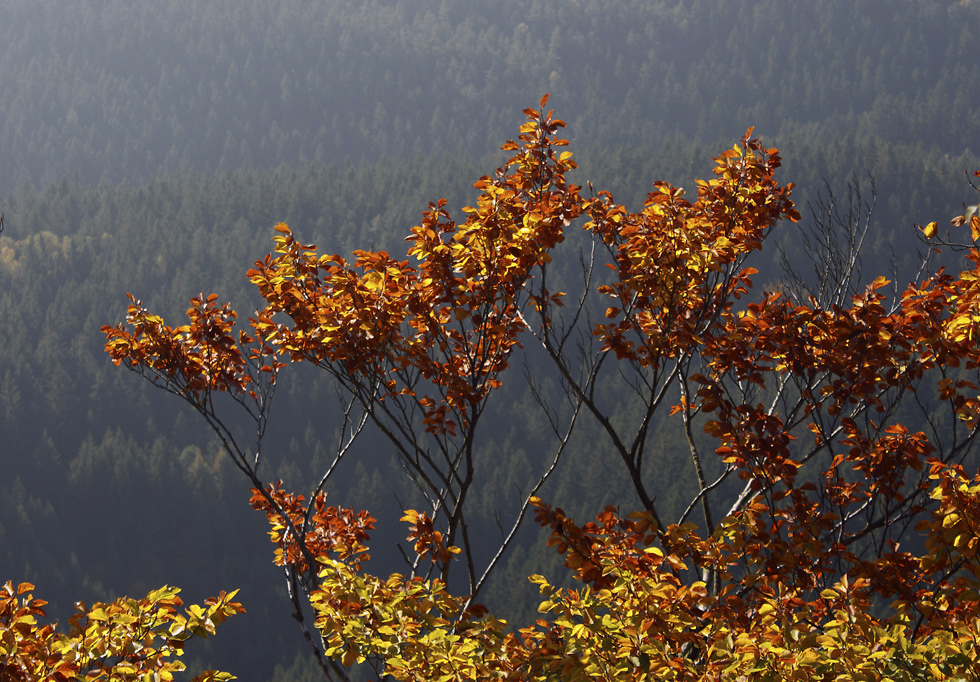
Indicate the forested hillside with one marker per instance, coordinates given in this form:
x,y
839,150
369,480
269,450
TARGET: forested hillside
x,y
149,147
129,90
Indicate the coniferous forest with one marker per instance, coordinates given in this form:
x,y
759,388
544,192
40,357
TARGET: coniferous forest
x,y
151,147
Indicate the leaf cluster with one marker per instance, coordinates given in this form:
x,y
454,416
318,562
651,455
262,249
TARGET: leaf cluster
x,y
129,639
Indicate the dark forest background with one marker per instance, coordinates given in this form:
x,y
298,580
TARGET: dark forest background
x,y
150,147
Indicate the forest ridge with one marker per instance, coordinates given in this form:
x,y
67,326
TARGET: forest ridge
x,y
130,90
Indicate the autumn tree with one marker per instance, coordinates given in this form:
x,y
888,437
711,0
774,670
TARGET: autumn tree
x,y
128,639
829,425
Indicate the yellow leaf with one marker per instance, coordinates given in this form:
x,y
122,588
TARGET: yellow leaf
x,y
975,227
373,281
929,230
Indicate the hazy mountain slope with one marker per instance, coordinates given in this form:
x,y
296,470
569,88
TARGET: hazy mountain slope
x,y
127,90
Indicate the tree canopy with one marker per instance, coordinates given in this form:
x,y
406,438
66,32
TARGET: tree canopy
x,y
837,509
